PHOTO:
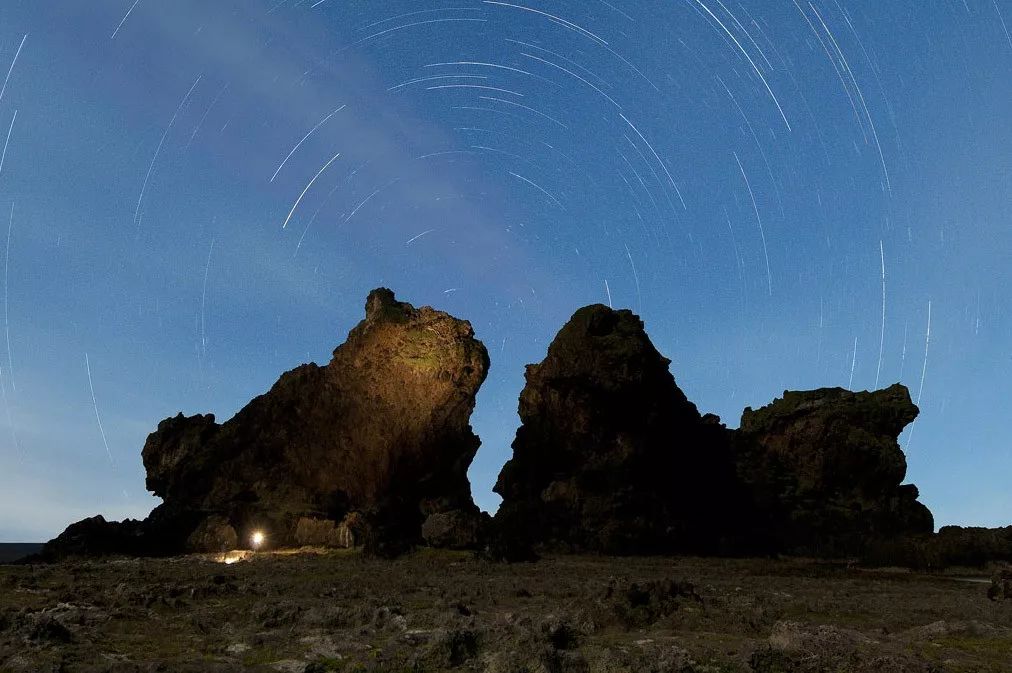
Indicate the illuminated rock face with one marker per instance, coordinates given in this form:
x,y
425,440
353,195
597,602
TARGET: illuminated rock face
x,y
325,533
383,425
611,455
382,430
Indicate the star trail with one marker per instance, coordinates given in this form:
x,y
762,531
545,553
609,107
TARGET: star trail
x,y
791,193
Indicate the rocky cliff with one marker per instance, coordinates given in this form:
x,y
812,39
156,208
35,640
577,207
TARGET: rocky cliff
x,y
611,456
825,472
365,447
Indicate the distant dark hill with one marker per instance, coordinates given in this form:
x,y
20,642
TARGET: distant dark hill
x,y
12,551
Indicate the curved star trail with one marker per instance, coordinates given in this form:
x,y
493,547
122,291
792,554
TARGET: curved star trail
x,y
739,174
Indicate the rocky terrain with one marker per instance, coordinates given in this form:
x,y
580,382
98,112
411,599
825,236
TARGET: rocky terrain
x,y
367,457
450,611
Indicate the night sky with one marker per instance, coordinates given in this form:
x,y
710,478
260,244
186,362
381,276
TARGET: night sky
x,y
791,194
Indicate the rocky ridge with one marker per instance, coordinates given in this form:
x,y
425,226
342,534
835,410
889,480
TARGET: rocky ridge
x,y
611,457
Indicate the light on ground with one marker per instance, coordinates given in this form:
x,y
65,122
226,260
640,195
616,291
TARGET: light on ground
x,y
257,539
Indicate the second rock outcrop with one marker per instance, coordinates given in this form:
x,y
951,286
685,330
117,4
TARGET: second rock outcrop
x,y
611,455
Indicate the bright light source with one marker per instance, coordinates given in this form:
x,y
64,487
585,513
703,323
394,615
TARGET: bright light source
x,y
257,539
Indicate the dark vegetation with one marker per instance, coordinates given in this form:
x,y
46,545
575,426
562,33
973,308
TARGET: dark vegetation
x,y
433,610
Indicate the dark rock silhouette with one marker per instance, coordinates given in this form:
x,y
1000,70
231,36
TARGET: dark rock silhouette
x,y
373,450
381,433
611,456
971,546
96,536
824,471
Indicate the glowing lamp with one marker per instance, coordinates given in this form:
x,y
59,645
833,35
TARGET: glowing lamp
x,y
257,539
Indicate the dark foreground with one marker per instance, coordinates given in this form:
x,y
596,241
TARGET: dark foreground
x,y
441,611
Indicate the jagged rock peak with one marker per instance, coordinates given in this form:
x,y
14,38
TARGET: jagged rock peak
x,y
611,456
381,303
381,434
608,346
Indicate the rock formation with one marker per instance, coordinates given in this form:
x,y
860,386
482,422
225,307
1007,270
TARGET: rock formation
x,y
1001,586
362,449
824,471
611,456
971,546
373,449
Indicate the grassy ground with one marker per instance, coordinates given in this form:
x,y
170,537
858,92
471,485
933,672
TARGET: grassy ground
x,y
436,611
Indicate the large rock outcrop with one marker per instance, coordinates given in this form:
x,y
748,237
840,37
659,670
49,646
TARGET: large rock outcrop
x,y
362,449
611,456
824,471
971,546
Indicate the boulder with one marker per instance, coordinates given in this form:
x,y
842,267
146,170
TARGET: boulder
x,y
310,532
213,534
611,456
382,430
1001,586
456,529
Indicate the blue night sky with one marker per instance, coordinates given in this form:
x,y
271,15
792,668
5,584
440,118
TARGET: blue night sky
x,y
200,194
